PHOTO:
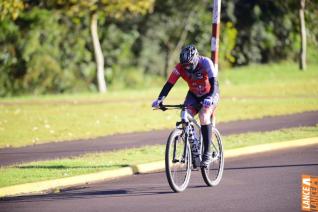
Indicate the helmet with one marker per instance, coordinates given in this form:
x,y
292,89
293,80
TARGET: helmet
x,y
189,58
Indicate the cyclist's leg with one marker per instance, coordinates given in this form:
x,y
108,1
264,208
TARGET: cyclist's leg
x,y
193,101
206,129
206,113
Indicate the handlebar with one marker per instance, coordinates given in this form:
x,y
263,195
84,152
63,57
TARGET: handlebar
x,y
167,107
178,106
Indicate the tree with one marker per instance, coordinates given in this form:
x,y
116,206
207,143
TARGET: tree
x,y
118,9
166,31
99,57
11,9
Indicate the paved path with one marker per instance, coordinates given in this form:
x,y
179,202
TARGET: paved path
x,y
63,149
263,183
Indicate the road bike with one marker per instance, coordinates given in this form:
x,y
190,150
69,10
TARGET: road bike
x,y
183,152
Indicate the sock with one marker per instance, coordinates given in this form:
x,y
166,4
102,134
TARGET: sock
x,y
206,131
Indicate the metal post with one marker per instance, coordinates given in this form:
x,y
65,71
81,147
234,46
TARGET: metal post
x,y
302,58
215,32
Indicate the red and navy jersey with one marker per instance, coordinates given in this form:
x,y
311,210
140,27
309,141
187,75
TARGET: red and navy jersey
x,y
198,81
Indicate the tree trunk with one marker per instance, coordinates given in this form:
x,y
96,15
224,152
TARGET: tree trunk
x,y
302,55
99,58
166,66
173,55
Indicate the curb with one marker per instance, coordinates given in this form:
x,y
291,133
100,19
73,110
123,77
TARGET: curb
x,y
48,186
160,165
270,147
149,167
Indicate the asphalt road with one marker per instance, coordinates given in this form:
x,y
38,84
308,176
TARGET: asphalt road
x,y
263,182
65,149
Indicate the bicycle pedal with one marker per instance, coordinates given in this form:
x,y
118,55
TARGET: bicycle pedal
x,y
204,166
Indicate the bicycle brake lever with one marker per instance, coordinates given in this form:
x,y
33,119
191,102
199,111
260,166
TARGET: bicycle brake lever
x,y
163,108
160,108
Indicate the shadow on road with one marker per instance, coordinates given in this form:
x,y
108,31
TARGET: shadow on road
x,y
82,193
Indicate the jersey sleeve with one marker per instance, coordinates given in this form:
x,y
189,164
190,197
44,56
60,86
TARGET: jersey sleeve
x,y
175,75
209,67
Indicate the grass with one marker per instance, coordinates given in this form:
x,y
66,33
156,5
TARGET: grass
x,y
89,163
246,93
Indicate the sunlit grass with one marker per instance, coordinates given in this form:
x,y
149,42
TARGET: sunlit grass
x,y
246,93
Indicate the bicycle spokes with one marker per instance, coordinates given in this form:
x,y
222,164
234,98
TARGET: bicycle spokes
x,y
177,161
178,155
212,174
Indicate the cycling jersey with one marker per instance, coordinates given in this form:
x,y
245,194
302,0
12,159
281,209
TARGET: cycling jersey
x,y
198,81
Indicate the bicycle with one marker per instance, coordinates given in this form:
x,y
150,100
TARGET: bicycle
x,y
183,152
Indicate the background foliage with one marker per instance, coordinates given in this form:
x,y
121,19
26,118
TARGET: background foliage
x,y
46,48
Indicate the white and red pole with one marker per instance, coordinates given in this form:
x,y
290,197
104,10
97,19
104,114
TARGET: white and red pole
x,y
215,32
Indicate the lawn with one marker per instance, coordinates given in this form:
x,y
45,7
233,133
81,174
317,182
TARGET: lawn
x,y
246,93
94,162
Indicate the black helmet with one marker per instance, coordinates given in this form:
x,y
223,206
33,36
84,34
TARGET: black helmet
x,y
189,57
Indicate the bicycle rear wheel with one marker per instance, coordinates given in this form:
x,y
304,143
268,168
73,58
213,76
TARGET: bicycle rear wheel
x,y
212,174
178,161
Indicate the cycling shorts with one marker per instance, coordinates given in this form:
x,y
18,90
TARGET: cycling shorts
x,y
195,102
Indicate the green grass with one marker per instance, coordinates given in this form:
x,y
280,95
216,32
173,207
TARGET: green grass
x,y
89,163
246,93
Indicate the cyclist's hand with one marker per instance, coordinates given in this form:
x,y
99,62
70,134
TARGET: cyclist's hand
x,y
208,102
157,103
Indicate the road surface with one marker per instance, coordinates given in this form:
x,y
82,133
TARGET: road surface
x,y
264,182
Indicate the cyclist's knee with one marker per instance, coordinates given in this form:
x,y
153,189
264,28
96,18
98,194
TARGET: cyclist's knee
x,y
205,117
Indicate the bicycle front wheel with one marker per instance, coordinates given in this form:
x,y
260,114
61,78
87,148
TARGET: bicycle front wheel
x,y
212,174
178,161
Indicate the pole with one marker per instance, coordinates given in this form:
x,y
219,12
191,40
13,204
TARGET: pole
x,y
215,32
302,56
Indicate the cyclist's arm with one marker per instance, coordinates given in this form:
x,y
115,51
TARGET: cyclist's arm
x,y
173,78
212,74
165,90
214,87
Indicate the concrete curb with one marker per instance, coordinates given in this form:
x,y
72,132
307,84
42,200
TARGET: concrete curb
x,y
54,185
149,167
160,165
270,147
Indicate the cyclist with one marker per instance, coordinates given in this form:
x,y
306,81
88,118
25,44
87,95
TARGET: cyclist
x,y
199,72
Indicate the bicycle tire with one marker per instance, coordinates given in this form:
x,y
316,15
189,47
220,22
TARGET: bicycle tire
x,y
208,173
178,179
